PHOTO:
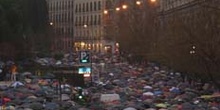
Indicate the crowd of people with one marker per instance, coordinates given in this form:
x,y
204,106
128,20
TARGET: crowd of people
x,y
121,85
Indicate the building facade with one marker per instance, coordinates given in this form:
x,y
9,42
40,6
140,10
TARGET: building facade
x,y
79,25
89,26
186,10
61,16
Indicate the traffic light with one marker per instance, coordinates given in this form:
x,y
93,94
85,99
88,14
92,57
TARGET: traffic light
x,y
84,57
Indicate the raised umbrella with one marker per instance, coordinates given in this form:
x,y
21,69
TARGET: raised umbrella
x,y
16,84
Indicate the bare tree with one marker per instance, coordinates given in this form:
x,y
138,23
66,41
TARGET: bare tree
x,y
137,28
191,41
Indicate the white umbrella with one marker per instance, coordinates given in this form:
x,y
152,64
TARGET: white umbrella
x,y
147,87
17,84
32,97
148,93
130,108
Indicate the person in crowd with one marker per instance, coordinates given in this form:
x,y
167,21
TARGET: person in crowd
x,y
2,73
13,72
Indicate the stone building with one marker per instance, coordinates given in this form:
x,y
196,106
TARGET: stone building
x,y
61,16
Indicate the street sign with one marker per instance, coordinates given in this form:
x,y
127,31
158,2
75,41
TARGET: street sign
x,y
84,56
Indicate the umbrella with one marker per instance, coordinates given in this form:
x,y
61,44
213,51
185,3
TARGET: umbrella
x,y
148,93
130,108
34,87
158,92
65,97
3,87
147,87
161,105
51,106
36,106
187,106
150,109
32,97
10,108
27,80
16,84
65,86
26,73
175,90
28,109
48,76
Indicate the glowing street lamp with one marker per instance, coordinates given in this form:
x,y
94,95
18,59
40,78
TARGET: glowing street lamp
x,y
117,9
153,1
124,6
138,2
85,26
51,23
105,11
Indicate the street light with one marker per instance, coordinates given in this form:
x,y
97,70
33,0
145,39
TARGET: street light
x,y
117,9
138,2
105,11
51,23
153,1
85,26
124,6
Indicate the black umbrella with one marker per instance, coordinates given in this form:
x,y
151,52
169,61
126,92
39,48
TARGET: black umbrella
x,y
51,106
48,76
36,106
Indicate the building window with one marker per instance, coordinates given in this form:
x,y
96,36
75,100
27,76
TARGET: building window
x,y
79,8
80,21
95,20
76,21
63,5
57,6
94,6
87,19
60,6
99,20
99,5
72,17
83,7
76,8
87,7
91,6
83,20
91,20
